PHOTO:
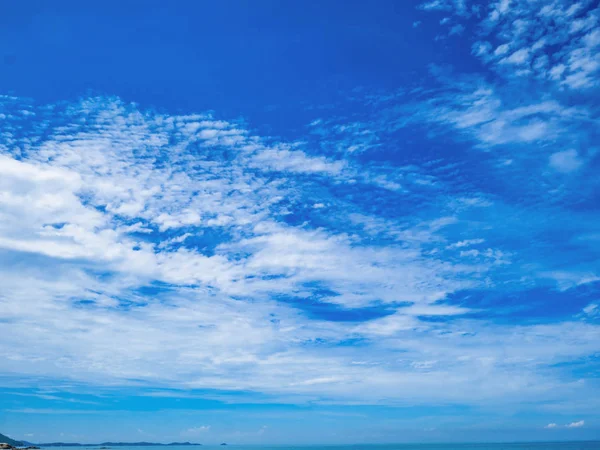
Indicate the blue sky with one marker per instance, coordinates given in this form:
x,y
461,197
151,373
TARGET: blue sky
x,y
316,222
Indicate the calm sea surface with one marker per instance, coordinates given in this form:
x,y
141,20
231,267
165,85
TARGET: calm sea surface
x,y
595,445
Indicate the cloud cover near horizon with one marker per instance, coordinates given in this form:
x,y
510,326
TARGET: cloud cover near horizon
x,y
436,244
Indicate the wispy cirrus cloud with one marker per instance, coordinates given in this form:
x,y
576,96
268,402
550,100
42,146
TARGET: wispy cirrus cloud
x,y
433,244
199,245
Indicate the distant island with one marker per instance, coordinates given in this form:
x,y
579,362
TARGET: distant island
x,y
16,444
114,444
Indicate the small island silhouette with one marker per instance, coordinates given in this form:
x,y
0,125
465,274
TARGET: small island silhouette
x,y
12,443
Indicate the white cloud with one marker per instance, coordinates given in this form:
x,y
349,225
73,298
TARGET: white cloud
x,y
166,233
456,29
521,56
557,71
550,425
578,424
285,159
567,32
481,112
198,430
435,5
457,6
566,161
501,50
465,243
114,212
566,279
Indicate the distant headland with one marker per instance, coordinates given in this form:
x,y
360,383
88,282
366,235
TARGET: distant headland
x,y
115,444
14,444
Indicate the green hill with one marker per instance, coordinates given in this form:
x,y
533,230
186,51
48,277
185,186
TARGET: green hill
x,y
7,440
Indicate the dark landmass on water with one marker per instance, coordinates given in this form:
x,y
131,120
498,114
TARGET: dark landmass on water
x,y
115,444
9,441
19,444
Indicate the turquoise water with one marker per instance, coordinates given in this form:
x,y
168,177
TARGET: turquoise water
x,y
589,445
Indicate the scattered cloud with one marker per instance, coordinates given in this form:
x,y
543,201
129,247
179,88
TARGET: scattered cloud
x,y
591,309
198,430
369,262
578,424
566,161
165,232
554,41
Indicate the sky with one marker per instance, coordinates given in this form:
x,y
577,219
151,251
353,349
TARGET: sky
x,y
300,222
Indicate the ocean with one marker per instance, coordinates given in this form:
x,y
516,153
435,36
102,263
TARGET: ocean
x,y
579,445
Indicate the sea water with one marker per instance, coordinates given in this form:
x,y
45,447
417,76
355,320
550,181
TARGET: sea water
x,y
581,445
